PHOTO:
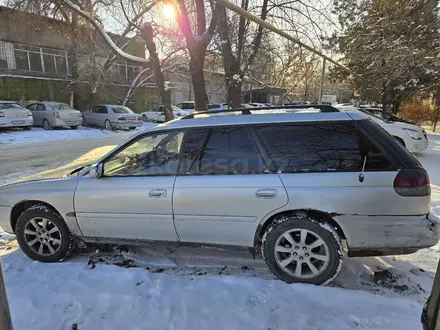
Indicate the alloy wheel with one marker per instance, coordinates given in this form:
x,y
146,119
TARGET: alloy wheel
x,y
42,236
302,253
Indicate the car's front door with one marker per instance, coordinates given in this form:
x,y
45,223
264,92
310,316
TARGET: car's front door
x,y
91,115
224,187
102,115
133,198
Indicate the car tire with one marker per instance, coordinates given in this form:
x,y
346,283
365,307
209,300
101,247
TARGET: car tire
x,y
43,235
145,118
27,128
74,127
46,125
299,249
108,125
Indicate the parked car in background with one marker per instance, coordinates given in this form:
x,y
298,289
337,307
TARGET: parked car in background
x,y
217,107
410,136
259,105
55,114
187,105
12,114
112,116
157,114
299,187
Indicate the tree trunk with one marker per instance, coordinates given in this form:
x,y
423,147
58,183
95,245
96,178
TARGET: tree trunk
x,y
147,35
437,109
384,100
73,54
196,64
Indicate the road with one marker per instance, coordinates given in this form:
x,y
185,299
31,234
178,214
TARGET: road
x,y
21,160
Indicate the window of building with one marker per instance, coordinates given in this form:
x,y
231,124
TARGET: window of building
x,y
38,59
321,147
126,71
3,56
223,150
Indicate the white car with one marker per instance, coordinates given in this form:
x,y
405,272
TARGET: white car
x,y
189,106
410,136
157,114
13,114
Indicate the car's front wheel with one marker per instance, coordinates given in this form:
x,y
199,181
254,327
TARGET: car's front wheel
x,y
43,235
108,125
297,248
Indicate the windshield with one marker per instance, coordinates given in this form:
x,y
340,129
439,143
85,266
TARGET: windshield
x,y
61,106
121,110
10,106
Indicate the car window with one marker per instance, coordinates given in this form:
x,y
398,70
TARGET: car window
x,y
40,107
182,106
321,147
156,154
10,106
214,106
102,109
96,109
32,107
61,106
121,110
222,150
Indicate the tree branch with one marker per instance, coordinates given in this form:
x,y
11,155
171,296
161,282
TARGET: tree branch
x,y
95,23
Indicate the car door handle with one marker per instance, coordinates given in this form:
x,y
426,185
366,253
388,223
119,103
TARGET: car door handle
x,y
157,193
266,193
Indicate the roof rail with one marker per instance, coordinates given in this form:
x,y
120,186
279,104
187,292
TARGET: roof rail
x,y
247,111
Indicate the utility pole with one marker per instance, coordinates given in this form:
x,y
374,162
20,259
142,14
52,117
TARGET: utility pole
x,y
5,314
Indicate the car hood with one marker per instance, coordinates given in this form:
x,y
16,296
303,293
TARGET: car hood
x,y
407,126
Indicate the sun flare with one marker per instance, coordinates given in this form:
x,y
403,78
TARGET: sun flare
x,y
169,11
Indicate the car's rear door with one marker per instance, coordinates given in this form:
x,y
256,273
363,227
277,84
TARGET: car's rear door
x,y
133,198
40,114
224,187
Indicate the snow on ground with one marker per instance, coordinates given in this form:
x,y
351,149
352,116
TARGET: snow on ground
x,y
157,287
39,135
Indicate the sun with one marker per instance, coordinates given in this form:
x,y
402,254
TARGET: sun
x,y
169,11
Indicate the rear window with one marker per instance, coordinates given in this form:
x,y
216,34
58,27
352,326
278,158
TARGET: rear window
x,y
321,147
10,106
121,110
214,106
61,106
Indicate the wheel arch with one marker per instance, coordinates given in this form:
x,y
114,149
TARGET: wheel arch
x,y
401,141
320,216
22,206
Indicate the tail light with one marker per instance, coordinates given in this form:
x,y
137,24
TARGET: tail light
x,y
29,114
139,118
56,115
2,114
412,182
122,118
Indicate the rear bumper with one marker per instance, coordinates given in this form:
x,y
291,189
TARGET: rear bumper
x,y
5,218
118,124
61,122
383,235
16,122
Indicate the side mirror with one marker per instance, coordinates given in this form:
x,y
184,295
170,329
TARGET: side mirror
x,y
97,171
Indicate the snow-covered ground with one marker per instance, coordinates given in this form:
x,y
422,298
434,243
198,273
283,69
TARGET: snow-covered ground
x,y
156,287
39,135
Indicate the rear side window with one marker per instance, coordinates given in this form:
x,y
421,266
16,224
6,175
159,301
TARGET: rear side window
x,y
321,147
222,150
102,109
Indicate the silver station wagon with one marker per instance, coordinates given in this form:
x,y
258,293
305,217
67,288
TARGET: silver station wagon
x,y
303,186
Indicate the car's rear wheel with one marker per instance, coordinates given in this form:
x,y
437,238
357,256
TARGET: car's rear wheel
x,y
296,248
108,125
46,125
43,235
145,118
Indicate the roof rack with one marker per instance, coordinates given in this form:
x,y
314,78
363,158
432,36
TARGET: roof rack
x,y
247,111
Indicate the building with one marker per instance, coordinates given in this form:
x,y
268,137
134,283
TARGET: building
x,y
46,59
